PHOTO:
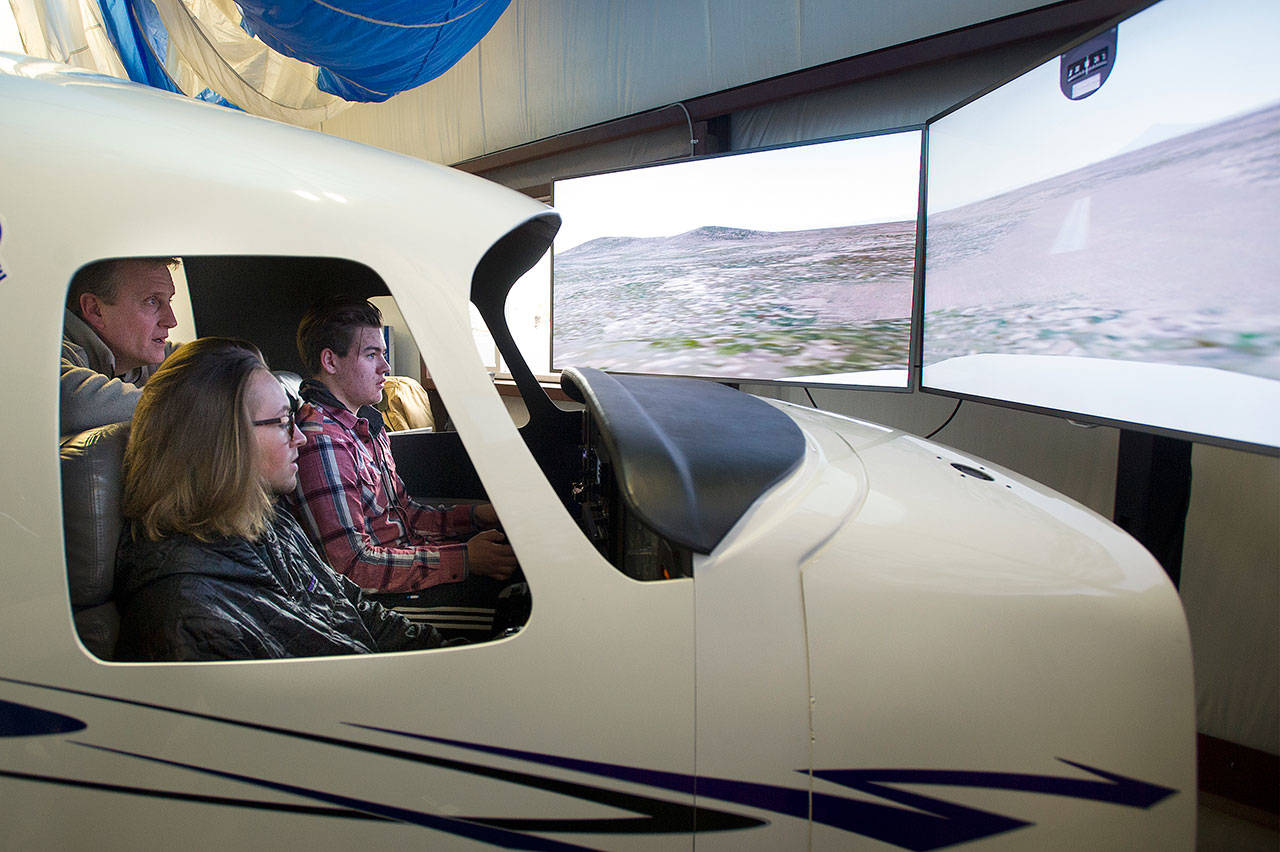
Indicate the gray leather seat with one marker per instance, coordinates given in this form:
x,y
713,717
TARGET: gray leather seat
x,y
91,493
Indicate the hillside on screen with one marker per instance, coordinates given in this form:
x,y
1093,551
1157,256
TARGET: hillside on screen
x,y
719,301
783,264
1164,254
1114,256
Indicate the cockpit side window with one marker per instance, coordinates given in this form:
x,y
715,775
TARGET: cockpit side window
x,y
561,434
260,301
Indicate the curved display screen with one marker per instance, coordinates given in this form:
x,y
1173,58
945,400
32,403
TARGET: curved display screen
x,y
791,264
1100,236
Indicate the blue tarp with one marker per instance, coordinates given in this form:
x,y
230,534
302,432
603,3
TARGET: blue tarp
x,y
140,37
368,50
141,40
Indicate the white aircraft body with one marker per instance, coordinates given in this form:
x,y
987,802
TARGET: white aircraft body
x,y
752,625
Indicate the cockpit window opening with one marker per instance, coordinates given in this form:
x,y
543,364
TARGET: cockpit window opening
x,y
260,300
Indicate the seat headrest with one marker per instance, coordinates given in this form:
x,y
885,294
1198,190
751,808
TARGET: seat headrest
x,y
405,404
292,382
91,491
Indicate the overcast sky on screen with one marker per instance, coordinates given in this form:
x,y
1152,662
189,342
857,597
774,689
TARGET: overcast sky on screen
x,y
824,185
1179,65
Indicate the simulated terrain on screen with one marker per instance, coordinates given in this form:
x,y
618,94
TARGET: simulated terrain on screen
x,y
719,301
1116,255
1167,253
777,264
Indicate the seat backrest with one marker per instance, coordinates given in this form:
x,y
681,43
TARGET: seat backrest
x,y
91,492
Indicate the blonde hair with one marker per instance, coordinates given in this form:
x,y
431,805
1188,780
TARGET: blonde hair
x,y
190,464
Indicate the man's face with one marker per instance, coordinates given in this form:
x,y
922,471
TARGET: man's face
x,y
358,376
136,326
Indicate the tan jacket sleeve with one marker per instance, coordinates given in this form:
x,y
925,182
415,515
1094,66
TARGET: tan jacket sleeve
x,y
88,399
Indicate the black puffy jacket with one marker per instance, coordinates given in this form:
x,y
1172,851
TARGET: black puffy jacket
x,y
184,599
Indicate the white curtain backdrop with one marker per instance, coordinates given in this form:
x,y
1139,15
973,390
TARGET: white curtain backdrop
x,y
68,31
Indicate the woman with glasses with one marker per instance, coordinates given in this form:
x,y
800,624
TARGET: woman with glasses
x,y
210,567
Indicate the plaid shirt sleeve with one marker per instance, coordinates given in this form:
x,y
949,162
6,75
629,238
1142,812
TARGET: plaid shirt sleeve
x,y
437,521
331,507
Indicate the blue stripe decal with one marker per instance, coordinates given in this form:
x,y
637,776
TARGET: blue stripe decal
x,y
656,815
915,822
20,720
1116,789
783,800
943,823
924,823
462,828
199,798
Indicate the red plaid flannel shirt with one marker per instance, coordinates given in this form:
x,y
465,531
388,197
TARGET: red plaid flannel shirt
x,y
352,501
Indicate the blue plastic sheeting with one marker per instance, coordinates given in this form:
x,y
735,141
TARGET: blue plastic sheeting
x,y
141,40
368,50
139,37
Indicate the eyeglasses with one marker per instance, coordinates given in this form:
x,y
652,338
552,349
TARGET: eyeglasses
x,y
287,422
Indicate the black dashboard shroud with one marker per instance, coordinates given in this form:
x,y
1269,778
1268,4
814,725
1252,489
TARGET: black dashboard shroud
x,y
690,456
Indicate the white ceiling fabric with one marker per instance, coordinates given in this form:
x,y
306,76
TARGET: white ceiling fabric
x,y
207,35
67,31
207,49
552,66
545,68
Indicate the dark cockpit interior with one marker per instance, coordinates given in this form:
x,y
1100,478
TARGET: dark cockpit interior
x,y
653,469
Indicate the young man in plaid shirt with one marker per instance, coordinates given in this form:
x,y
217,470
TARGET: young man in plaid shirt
x,y
354,504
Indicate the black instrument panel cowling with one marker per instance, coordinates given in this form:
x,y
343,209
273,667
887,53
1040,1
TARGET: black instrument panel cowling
x,y
690,456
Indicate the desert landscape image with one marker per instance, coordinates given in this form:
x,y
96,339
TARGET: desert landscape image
x,y
731,302
1164,253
